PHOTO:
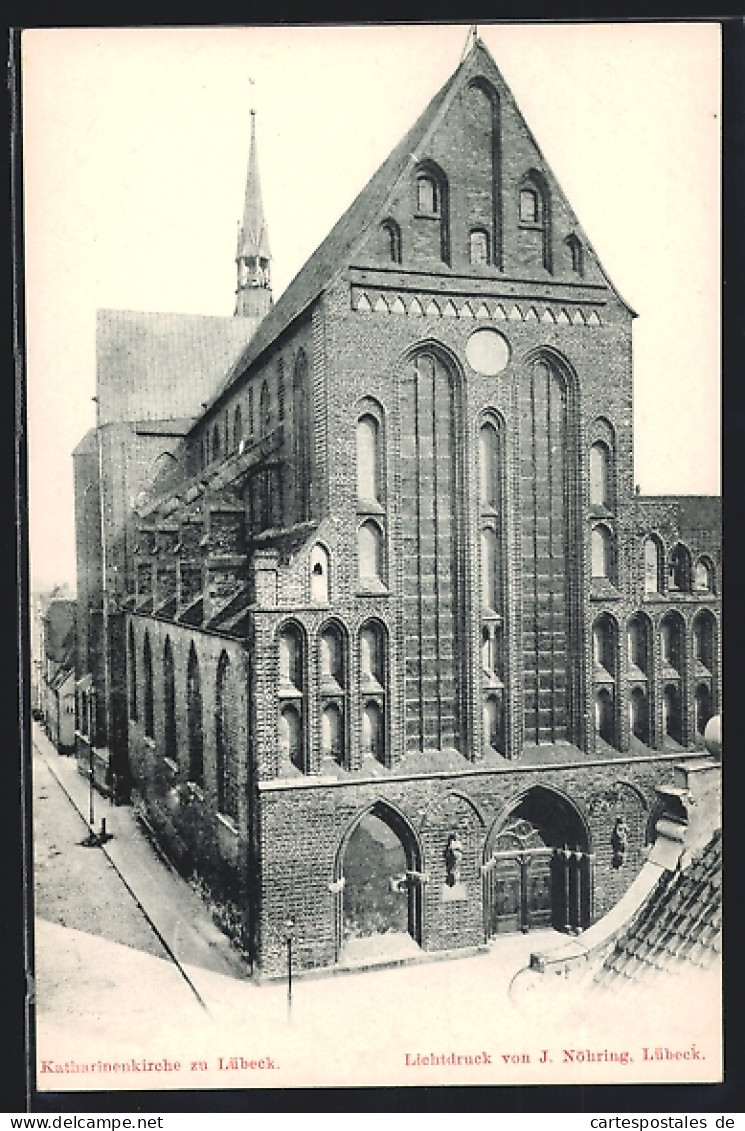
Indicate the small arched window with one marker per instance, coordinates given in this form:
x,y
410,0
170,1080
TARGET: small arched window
x,y
291,658
639,715
392,235
492,718
291,735
575,254
671,642
319,575
147,670
332,658
372,738
638,642
370,553
671,714
427,195
529,206
703,639
372,655
602,552
600,466
604,715
679,570
703,707
479,247
703,578
603,644
368,458
332,732
652,566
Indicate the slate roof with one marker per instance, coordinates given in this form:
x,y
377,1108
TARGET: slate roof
x,y
679,928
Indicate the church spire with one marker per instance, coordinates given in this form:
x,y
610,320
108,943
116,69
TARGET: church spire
x,y
253,258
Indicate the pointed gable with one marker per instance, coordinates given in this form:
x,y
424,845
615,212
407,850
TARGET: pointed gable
x,y
468,166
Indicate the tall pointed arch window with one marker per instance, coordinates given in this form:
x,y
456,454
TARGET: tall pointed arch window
x,y
281,389
226,740
170,744
237,427
216,442
194,719
265,409
489,467
132,672
302,468
147,672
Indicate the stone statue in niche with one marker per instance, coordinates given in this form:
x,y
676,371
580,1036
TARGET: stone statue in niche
x,y
619,841
453,857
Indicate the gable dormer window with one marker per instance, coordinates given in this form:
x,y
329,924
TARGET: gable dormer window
x,y
427,195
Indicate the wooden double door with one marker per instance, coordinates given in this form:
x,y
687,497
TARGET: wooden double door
x,y
520,892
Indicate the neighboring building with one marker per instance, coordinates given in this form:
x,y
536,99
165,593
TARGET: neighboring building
x,y
402,645
58,669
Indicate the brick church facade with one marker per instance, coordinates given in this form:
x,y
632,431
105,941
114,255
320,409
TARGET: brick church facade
x,y
397,653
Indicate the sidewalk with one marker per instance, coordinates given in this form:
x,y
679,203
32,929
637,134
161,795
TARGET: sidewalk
x,y
176,910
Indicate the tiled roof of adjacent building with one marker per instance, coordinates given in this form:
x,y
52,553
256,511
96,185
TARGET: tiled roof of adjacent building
x,y
679,928
695,512
153,366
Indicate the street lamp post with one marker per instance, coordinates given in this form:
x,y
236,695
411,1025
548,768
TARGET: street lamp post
x,y
289,928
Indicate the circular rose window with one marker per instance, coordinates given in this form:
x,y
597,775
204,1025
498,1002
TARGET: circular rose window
x,y
487,351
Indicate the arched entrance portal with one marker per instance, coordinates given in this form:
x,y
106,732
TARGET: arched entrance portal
x,y
537,867
379,910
